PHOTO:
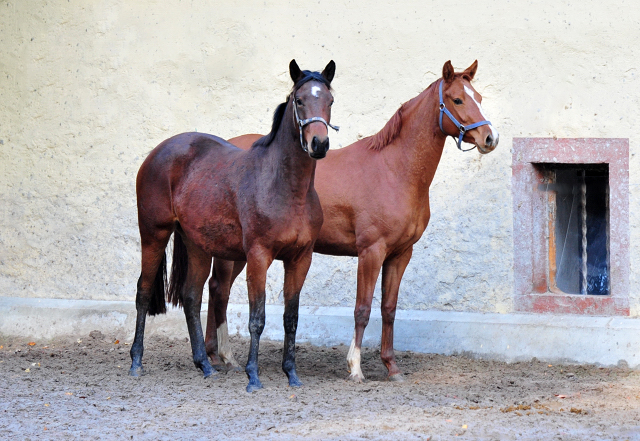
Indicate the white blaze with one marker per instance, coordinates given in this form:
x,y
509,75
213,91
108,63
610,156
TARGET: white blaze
x,y
467,89
315,90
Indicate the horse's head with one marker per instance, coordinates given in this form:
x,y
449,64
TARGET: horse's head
x,y
312,100
461,114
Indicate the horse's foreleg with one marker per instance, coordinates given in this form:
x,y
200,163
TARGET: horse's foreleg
x,y
295,273
152,255
258,261
223,274
369,263
392,272
197,273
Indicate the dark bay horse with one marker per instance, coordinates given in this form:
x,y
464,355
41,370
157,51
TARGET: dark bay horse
x,y
375,198
255,206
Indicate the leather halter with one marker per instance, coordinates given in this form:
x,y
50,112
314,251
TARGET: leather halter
x,y
463,129
303,122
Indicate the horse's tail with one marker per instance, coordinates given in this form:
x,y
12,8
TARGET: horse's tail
x,y
157,304
179,267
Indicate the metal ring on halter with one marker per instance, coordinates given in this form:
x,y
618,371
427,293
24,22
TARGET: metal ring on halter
x,y
460,127
303,122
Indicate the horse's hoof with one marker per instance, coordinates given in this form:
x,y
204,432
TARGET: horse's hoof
x,y
213,375
254,386
234,369
396,377
294,381
136,371
356,378
209,372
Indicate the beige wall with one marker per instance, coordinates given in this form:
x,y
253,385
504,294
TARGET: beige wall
x,y
87,88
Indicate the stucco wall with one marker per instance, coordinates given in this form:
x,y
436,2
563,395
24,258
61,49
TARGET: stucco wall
x,y
88,88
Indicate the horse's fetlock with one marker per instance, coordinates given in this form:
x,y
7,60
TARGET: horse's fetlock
x,y
288,365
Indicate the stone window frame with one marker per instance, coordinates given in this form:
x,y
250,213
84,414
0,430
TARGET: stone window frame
x,y
530,220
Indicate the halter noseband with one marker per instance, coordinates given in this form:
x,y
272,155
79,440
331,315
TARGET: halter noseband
x,y
463,129
303,122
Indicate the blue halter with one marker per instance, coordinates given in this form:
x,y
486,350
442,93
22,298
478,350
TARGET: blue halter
x,y
463,129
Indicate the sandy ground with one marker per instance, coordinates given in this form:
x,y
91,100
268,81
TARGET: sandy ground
x,y
80,388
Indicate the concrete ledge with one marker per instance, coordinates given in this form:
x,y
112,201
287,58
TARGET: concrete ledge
x,y
507,337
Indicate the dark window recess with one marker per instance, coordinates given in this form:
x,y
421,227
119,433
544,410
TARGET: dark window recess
x,y
578,228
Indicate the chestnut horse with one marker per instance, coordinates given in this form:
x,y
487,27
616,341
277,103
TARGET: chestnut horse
x,y
375,198
255,206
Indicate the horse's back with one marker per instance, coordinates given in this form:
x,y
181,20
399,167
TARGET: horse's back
x,y
169,165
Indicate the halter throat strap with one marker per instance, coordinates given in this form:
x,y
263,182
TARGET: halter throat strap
x,y
303,122
460,127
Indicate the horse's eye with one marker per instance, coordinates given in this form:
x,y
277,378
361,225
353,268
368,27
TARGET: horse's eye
x,y
457,101
298,101
331,104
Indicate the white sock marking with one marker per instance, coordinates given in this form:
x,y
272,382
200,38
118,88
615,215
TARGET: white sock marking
x,y
224,349
353,360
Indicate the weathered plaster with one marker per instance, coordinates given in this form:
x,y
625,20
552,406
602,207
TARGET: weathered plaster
x,y
88,88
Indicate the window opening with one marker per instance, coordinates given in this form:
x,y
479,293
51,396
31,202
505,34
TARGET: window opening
x,y
578,228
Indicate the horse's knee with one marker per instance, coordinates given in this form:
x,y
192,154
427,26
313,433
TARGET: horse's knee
x,y
361,315
256,325
388,314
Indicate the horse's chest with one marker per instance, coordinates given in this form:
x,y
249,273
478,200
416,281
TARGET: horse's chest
x,y
291,229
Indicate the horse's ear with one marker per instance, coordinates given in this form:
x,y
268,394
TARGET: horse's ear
x,y
329,71
447,72
471,70
294,71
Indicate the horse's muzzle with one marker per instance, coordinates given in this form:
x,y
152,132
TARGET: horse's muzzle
x,y
490,142
319,148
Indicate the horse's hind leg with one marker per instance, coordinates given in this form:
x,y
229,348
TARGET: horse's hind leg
x,y
153,253
216,341
197,273
295,273
392,272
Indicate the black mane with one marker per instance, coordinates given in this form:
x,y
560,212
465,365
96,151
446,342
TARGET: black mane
x,y
278,115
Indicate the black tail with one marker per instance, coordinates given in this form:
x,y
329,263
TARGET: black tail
x,y
179,268
157,304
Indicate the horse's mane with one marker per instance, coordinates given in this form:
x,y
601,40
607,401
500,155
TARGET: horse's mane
x,y
389,132
392,128
278,115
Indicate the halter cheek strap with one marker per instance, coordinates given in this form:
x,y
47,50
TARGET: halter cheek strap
x,y
460,127
303,122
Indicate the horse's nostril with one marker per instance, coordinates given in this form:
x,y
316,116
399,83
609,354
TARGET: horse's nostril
x,y
319,146
489,140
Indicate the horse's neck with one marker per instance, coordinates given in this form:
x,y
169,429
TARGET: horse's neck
x,y
292,171
420,143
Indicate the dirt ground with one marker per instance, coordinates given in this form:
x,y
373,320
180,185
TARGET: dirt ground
x,y
80,388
